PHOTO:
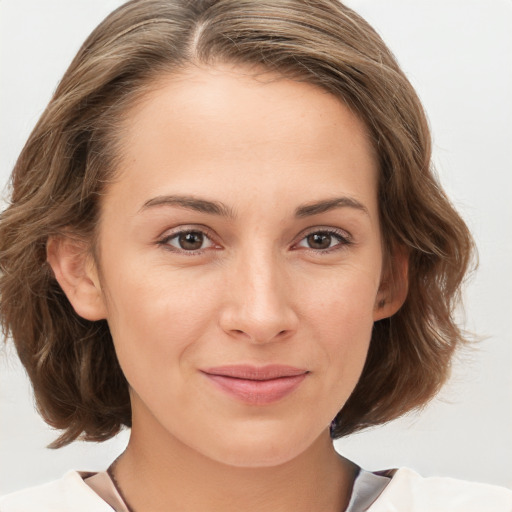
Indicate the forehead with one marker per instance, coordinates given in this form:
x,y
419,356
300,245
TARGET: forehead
x,y
242,128
238,96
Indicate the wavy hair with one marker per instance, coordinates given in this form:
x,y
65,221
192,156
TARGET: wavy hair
x,y
72,153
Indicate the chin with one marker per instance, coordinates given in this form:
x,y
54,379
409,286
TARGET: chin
x,y
255,446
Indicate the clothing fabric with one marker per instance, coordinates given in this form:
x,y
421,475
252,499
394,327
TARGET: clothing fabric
x,y
367,488
401,490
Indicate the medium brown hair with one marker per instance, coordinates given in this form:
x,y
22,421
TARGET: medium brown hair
x,y
72,152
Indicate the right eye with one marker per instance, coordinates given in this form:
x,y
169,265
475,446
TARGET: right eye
x,y
190,240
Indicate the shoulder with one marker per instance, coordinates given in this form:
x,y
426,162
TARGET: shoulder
x,y
409,492
69,493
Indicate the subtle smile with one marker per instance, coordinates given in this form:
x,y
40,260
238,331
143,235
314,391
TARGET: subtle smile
x,y
256,385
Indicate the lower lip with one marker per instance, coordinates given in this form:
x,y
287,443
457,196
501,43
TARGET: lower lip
x,y
257,392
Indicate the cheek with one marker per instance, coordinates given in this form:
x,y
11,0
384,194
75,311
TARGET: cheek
x,y
345,301
155,319
343,321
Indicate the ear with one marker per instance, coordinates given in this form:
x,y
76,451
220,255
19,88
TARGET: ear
x,y
75,271
394,285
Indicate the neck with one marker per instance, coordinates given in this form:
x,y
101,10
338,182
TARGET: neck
x,y
157,475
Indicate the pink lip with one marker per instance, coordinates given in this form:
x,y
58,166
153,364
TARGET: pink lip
x,y
257,385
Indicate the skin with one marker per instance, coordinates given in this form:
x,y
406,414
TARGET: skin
x,y
260,289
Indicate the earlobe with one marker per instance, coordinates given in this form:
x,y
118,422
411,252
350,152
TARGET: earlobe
x,y
76,273
393,289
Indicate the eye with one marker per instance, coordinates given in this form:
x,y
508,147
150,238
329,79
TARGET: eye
x,y
324,240
188,240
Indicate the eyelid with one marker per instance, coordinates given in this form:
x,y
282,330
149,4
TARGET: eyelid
x,y
169,234
345,237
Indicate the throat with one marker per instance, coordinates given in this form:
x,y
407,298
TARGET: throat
x,y
313,482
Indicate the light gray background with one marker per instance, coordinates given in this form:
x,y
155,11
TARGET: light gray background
x,y
458,54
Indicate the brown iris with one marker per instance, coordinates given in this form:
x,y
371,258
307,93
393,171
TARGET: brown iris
x,y
319,240
191,240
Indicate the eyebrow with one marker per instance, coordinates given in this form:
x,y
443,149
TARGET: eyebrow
x,y
329,204
218,208
190,203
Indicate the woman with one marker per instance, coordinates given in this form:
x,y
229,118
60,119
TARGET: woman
x,y
224,234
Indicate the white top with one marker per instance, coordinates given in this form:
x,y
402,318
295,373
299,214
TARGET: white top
x,y
401,490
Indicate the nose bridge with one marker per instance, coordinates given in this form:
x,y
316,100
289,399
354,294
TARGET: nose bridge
x,y
262,281
260,304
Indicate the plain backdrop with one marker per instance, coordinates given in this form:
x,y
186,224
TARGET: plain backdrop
x,y
458,54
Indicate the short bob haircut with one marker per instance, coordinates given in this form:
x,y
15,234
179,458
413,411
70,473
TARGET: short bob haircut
x,y
71,155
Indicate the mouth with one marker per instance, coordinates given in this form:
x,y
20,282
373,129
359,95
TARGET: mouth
x,y
256,385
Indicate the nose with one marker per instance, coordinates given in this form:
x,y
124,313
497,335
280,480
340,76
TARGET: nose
x,y
259,306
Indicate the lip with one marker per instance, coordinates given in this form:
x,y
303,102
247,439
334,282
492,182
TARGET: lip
x,y
256,385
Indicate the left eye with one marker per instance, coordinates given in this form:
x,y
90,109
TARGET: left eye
x,y
189,241
322,240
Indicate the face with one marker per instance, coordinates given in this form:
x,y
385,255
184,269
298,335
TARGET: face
x,y
240,262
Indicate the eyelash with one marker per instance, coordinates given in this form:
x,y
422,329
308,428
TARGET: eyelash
x,y
342,237
165,241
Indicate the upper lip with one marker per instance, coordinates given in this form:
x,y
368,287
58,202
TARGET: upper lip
x,y
249,372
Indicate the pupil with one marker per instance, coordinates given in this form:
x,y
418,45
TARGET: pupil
x,y
319,241
191,241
